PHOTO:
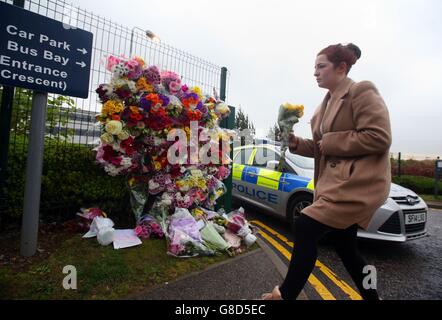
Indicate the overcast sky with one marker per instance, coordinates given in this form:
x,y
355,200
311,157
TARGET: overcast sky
x,y
270,47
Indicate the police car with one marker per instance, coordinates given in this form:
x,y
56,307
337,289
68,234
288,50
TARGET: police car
x,y
257,182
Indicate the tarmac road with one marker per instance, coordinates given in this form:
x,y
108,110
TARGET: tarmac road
x,y
405,271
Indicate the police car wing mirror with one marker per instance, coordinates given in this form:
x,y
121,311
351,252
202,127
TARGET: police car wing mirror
x,y
272,164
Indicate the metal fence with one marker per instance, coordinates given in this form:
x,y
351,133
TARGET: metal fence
x,y
110,38
73,119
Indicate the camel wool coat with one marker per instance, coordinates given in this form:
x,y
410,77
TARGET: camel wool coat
x,y
352,175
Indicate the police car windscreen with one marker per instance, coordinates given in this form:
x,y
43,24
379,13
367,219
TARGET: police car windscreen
x,y
302,162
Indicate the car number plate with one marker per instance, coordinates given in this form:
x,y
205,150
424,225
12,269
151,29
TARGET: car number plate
x,y
414,218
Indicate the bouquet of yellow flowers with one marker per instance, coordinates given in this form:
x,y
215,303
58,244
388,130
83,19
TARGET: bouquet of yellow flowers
x,y
289,115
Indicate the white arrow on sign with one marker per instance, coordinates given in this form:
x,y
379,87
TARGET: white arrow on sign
x,y
82,64
83,50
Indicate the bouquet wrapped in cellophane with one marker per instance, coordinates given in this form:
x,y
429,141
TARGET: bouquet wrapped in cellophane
x,y
289,115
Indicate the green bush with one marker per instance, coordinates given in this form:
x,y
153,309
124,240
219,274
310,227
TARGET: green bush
x,y
70,180
420,185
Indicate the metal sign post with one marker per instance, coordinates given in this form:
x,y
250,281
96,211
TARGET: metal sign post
x,y
34,167
43,55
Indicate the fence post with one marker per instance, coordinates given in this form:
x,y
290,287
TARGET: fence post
x,y
5,124
437,174
399,165
226,200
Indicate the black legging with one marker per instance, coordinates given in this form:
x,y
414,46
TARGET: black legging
x,y
307,234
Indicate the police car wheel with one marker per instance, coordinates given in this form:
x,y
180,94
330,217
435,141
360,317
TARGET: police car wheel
x,y
297,205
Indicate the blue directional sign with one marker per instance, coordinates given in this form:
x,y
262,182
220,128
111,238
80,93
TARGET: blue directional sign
x,y
43,54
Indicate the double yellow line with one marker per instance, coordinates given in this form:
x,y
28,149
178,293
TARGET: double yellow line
x,y
313,280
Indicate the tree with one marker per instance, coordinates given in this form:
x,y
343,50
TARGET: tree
x,y
274,133
59,109
245,128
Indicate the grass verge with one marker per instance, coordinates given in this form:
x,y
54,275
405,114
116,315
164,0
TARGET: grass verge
x,y
431,197
102,272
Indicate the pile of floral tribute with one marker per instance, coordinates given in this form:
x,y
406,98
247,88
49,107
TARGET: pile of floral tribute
x,y
150,117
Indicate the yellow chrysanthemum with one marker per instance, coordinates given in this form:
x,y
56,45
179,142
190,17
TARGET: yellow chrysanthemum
x,y
180,184
295,107
198,91
134,109
198,212
202,184
111,107
143,85
140,61
132,182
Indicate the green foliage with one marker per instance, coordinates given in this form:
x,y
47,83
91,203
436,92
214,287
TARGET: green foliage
x,y
274,133
420,185
58,111
70,180
411,167
242,121
246,127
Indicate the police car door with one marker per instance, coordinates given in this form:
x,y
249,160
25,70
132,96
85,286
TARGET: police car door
x,y
241,160
266,183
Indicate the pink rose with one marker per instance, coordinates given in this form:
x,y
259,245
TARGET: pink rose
x,y
176,249
174,87
223,173
138,230
116,161
112,62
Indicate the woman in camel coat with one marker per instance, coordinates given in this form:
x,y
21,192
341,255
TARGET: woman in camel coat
x,y
351,140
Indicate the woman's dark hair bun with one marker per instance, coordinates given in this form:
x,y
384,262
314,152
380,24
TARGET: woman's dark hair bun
x,y
355,49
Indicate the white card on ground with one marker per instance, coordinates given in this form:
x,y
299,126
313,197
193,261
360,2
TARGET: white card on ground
x,y
125,238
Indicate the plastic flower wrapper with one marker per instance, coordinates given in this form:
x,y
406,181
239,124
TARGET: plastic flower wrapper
x,y
289,115
184,235
209,214
198,213
217,191
184,221
237,223
212,238
160,212
88,215
222,110
148,226
221,221
102,228
138,197
232,239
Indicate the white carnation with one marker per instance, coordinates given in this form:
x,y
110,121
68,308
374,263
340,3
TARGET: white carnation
x,y
114,127
107,138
